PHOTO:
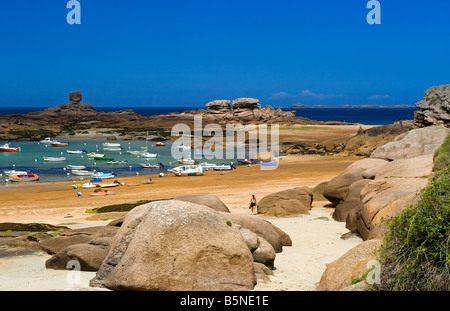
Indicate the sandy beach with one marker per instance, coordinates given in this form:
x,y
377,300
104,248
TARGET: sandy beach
x,y
316,237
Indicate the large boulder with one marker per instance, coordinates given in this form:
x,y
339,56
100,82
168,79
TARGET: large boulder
x,y
76,236
414,143
289,202
89,255
263,228
318,192
209,200
246,103
337,189
394,188
175,245
222,105
75,96
435,107
351,266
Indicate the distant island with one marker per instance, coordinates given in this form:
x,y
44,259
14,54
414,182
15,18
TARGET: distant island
x,y
300,105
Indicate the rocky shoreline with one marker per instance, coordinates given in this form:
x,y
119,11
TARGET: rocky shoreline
x,y
79,118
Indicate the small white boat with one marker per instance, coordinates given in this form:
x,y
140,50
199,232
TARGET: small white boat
x,y
223,167
89,185
14,172
135,152
149,155
186,161
188,170
75,167
107,144
54,159
76,151
82,173
149,165
208,166
94,155
104,175
108,185
112,148
48,141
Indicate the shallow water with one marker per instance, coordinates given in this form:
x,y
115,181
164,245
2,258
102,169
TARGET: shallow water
x,y
31,158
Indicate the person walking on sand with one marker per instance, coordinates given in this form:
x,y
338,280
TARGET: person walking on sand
x,y
253,204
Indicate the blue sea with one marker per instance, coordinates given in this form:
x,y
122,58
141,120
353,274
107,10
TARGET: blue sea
x,y
369,116
31,158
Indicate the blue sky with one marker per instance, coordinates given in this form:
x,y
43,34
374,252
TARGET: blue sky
x,y
187,53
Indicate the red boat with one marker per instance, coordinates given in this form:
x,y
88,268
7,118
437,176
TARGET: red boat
x,y
7,148
58,144
160,144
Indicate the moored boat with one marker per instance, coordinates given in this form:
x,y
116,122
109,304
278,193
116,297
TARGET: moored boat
x,y
160,144
188,170
149,155
8,148
47,140
14,172
82,173
135,152
94,154
76,151
59,144
104,158
108,144
149,165
207,165
223,167
54,159
89,185
24,177
102,175
112,148
186,161
75,167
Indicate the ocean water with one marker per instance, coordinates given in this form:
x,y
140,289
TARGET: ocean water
x,y
31,158
369,116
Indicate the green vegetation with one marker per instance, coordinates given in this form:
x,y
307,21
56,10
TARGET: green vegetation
x,y
229,223
442,156
32,134
363,277
415,254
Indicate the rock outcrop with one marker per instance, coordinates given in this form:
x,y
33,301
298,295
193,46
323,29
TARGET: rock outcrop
x,y
209,200
175,245
435,107
349,268
412,144
394,188
289,202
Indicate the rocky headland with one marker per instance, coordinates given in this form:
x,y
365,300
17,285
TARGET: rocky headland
x,y
435,107
76,117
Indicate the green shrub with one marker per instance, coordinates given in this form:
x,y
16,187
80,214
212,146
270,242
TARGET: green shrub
x,y
415,254
442,156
